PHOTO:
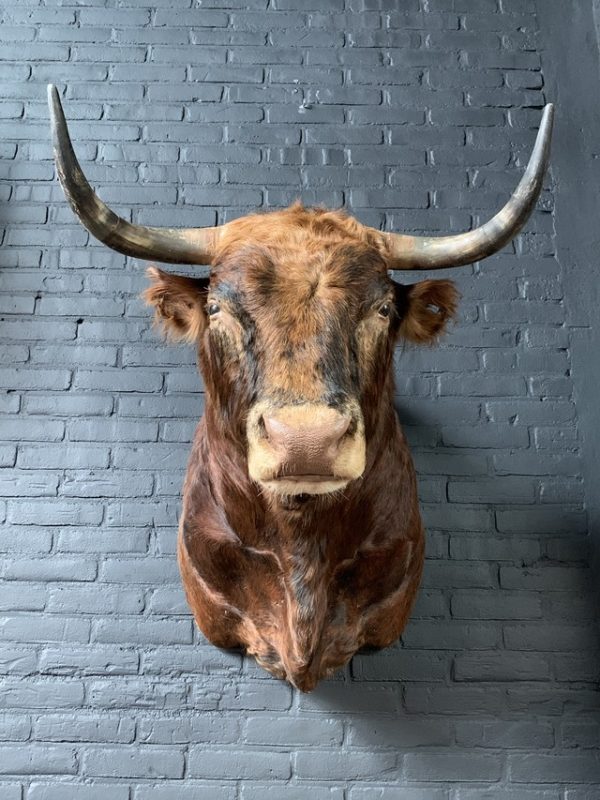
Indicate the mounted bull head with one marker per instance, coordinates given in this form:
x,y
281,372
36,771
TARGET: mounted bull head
x,y
300,536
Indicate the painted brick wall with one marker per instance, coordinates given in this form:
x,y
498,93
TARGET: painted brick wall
x,y
417,115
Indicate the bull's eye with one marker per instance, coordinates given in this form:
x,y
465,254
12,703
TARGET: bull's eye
x,y
385,310
213,309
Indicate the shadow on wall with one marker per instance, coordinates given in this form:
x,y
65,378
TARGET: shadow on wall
x,y
504,625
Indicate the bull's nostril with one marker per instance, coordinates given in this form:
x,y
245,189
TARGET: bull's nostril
x,y
339,428
262,430
277,431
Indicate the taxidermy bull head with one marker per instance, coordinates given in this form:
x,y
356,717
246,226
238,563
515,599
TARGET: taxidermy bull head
x,y
300,537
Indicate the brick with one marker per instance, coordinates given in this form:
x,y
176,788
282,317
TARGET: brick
x,y
85,728
452,767
185,660
22,597
455,517
67,406
505,734
311,731
62,457
453,700
106,483
71,306
506,666
146,456
224,764
451,635
388,733
14,727
499,490
8,455
396,793
493,605
136,692
189,729
32,512
493,548
136,570
89,430
554,768
77,791
583,793
343,766
17,660
144,631
547,578
37,329
507,794
261,791
41,694
549,636
26,483
168,600
48,569
15,539
42,52
256,696
541,520
189,791
134,762
425,665
36,760
75,660
459,575
584,733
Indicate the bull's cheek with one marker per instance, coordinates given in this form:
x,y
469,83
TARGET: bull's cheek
x,y
221,365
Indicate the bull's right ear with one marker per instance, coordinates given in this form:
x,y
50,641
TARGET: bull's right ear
x,y
425,309
179,303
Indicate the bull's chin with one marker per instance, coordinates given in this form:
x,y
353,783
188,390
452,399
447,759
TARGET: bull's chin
x,y
294,485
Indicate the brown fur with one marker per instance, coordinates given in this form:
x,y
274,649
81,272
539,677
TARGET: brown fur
x,y
301,583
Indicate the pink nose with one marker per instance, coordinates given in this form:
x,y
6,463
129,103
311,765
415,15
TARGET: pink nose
x,y
306,446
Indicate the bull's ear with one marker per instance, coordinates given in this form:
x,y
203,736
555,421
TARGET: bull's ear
x,y
424,309
179,303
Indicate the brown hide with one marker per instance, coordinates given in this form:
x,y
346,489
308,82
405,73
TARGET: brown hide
x,y
301,582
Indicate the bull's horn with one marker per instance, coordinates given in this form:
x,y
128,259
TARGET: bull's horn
x,y
174,245
419,252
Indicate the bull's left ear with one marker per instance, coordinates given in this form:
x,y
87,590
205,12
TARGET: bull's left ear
x,y
424,309
179,303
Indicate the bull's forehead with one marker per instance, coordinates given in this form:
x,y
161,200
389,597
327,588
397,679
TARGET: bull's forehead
x,y
297,260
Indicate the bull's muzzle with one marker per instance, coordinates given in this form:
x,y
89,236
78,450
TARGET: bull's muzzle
x,y
305,449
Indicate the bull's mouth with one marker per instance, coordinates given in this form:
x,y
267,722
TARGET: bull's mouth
x,y
310,477
305,484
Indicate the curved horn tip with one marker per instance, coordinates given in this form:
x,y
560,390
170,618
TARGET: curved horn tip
x,y
417,252
547,115
53,95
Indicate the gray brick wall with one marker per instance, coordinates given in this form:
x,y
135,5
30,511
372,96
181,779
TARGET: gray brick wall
x,y
416,115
